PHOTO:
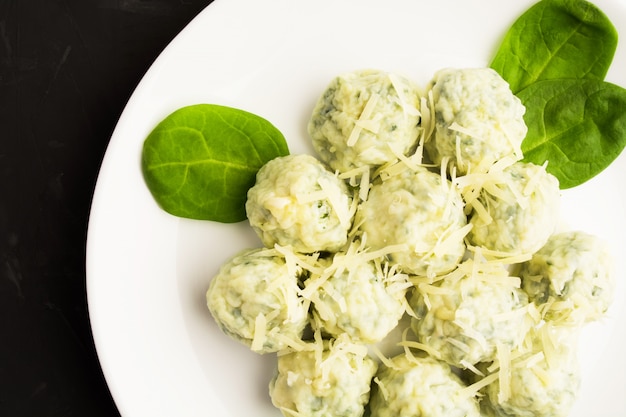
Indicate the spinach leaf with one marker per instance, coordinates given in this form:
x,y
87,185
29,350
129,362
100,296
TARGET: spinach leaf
x,y
200,161
577,125
556,39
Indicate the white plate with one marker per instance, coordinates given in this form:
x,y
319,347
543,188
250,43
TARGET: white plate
x,y
147,271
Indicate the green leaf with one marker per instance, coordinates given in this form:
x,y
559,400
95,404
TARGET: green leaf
x,y
556,39
577,125
200,161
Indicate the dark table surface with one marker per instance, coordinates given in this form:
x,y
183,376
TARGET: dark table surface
x,y
67,68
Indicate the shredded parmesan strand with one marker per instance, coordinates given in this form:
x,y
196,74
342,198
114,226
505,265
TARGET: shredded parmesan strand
x,y
354,255
425,288
382,388
260,327
472,334
473,389
295,344
449,238
510,315
455,127
504,373
364,186
471,367
392,169
290,412
502,164
418,155
531,361
428,117
382,171
481,211
404,102
531,185
514,282
417,345
371,125
381,357
457,147
296,261
408,161
365,115
500,257
458,344
334,197
542,375
359,176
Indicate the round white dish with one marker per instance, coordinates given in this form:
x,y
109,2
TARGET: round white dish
x,y
147,271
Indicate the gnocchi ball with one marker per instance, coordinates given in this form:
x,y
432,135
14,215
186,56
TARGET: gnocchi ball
x,y
540,382
365,118
361,300
255,300
420,387
520,210
331,379
421,210
478,120
572,276
297,202
469,312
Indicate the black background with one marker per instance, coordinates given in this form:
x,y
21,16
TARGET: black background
x,y
67,68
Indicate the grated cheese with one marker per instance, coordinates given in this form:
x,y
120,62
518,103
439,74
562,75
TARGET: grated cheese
x,y
457,343
355,254
365,114
504,373
297,261
428,117
412,162
500,257
293,344
455,127
290,412
418,155
260,327
472,334
334,197
472,390
510,315
542,375
448,239
457,146
421,346
471,367
381,357
382,171
382,388
481,211
531,361
404,103
364,186
531,185
371,125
